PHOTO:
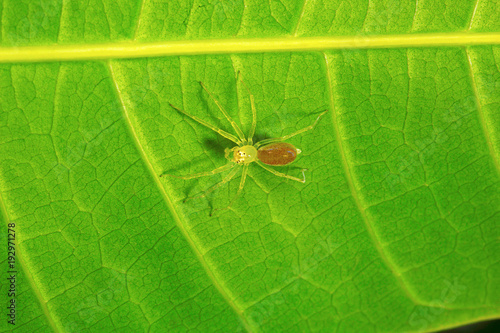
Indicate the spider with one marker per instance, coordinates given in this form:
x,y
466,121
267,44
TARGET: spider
x,y
266,152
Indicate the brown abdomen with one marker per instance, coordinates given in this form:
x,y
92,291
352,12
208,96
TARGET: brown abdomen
x,y
280,153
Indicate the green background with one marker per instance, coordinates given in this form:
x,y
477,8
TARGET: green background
x,y
396,228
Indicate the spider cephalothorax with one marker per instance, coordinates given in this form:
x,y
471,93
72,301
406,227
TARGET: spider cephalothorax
x,y
242,155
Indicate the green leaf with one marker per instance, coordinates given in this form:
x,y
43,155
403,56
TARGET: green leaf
x,y
395,229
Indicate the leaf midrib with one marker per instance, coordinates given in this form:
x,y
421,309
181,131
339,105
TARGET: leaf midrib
x,y
134,49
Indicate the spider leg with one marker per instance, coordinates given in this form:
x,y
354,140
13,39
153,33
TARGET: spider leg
x,y
280,174
242,183
210,189
254,111
212,127
202,174
233,123
283,138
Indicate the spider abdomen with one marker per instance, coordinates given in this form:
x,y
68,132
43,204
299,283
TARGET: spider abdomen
x,y
280,153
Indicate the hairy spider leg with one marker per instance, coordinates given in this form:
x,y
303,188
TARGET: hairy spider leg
x,y
233,123
283,138
212,127
229,176
254,112
202,174
280,174
242,183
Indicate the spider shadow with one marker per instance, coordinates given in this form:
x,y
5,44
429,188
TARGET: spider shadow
x,y
216,146
215,149
258,136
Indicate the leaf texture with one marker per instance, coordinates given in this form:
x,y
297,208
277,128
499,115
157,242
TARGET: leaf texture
x,y
396,228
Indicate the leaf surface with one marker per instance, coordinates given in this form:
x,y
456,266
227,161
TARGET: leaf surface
x,y
395,229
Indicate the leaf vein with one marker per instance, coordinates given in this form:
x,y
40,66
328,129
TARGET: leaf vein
x,y
473,15
239,45
27,273
139,19
304,4
350,182
484,124
170,205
